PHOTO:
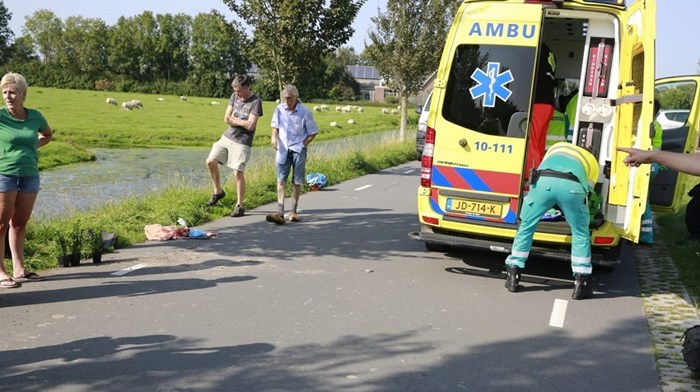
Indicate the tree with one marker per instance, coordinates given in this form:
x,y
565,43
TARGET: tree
x,y
172,46
83,46
6,34
406,43
45,30
216,53
290,37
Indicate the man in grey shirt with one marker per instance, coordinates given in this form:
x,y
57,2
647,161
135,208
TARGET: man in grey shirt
x,y
235,146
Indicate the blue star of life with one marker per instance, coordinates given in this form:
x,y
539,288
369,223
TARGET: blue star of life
x,y
491,84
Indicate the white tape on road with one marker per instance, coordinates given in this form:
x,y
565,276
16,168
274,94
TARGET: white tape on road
x,y
558,313
363,188
127,270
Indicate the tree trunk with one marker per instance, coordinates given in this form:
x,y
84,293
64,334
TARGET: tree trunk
x,y
402,130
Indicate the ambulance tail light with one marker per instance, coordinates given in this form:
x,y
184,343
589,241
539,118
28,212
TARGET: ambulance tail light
x,y
603,240
427,159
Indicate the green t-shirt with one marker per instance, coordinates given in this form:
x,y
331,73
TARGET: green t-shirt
x,y
18,140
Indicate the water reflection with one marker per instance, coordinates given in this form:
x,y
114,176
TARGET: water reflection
x,y
122,173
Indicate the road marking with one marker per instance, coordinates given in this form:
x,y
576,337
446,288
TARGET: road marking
x,y
409,171
558,313
362,188
127,270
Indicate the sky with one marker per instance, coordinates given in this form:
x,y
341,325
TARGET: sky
x,y
677,45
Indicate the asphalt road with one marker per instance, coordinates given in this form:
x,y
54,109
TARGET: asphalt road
x,y
343,301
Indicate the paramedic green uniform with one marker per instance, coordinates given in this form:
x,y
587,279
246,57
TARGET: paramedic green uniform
x,y
566,175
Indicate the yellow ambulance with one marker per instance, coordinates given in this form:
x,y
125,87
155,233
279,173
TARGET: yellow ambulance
x,y
472,169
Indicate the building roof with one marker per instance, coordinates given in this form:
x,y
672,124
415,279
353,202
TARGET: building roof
x,y
363,72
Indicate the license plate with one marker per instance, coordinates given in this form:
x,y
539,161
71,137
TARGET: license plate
x,y
470,207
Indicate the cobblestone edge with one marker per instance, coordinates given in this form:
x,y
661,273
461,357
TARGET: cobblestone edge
x,y
670,311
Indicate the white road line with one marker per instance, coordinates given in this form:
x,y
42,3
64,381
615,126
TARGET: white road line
x,y
409,171
558,313
362,188
127,270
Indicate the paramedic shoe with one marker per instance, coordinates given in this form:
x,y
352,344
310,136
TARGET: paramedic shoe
x,y
275,218
238,211
582,286
215,198
512,278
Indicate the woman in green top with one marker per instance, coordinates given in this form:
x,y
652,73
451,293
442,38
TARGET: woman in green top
x,y
22,132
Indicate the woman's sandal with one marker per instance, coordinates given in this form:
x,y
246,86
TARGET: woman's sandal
x,y
9,284
29,277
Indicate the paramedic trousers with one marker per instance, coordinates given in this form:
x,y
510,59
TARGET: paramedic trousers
x,y
647,231
571,197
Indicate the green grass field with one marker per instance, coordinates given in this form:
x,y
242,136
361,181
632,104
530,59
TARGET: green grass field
x,y
83,118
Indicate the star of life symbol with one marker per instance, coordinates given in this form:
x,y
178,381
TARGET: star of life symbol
x,y
491,84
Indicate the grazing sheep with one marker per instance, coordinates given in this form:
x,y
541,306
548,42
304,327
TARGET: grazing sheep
x,y
360,109
112,101
385,111
127,106
160,99
215,103
277,100
324,108
136,104
398,107
351,121
338,109
317,108
394,111
346,109
334,124
183,98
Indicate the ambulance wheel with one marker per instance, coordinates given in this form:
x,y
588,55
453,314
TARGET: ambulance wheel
x,y
433,247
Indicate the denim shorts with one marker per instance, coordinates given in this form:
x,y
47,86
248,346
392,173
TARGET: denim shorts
x,y
25,184
297,161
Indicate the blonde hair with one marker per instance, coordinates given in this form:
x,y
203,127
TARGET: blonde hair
x,y
14,78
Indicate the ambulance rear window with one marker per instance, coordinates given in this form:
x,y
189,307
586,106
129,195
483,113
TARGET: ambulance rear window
x,y
487,86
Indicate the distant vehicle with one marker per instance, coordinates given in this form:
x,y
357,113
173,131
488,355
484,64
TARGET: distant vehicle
x,y
422,124
672,118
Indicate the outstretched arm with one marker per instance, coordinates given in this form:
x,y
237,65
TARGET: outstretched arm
x,y
685,163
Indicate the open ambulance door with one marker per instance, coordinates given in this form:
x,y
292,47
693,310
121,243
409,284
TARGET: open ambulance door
x,y
678,97
629,186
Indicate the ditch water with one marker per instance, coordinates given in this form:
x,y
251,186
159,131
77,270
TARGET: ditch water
x,y
122,173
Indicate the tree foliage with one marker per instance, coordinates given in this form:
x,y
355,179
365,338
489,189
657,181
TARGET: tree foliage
x,y
6,34
406,43
291,37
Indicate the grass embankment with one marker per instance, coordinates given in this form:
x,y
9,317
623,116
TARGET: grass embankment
x,y
674,241
83,119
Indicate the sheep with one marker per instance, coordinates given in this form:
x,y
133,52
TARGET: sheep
x,y
136,104
360,110
351,121
334,124
338,109
394,111
346,109
385,111
324,108
215,103
277,101
112,101
183,98
398,107
127,105
317,108
160,99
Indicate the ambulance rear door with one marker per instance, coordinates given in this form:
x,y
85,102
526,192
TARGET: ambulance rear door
x,y
634,123
483,100
679,113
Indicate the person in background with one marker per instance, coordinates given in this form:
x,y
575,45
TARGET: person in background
x,y
571,115
542,109
557,130
565,176
293,129
235,146
646,235
678,161
22,132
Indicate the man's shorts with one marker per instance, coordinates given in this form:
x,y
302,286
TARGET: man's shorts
x,y
25,184
297,161
229,153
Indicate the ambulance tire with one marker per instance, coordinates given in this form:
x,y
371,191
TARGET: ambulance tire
x,y
433,247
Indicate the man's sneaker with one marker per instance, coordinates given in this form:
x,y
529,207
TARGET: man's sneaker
x,y
275,218
512,278
238,211
215,198
582,286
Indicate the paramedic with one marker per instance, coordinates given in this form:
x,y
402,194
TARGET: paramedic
x,y
542,109
557,130
565,176
646,235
